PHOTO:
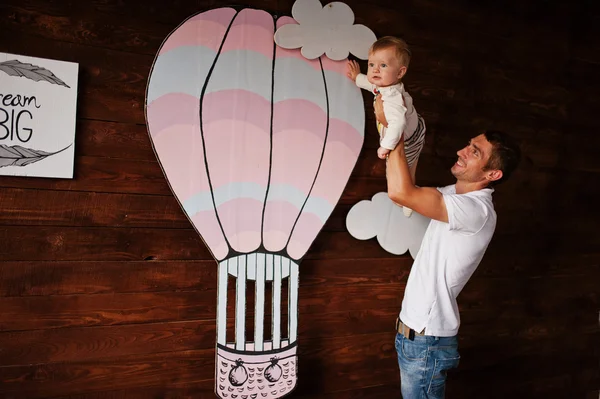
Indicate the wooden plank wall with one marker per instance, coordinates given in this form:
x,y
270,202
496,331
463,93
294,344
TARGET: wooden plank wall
x,y
107,292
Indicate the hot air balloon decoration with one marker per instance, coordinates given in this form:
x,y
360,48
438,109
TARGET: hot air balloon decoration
x,y
257,144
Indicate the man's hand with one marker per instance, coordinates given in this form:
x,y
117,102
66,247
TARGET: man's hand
x,y
379,114
353,70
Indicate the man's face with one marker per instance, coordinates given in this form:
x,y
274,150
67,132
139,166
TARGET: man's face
x,y
472,159
384,67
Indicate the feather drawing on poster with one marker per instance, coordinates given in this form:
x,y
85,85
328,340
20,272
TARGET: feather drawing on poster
x,y
257,144
37,116
30,71
20,156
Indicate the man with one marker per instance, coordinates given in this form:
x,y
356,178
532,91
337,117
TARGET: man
x,y
462,225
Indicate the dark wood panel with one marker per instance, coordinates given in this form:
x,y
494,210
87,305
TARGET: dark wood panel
x,y
91,343
47,380
204,389
82,25
64,278
23,243
102,175
37,312
482,300
77,208
196,365
113,140
376,355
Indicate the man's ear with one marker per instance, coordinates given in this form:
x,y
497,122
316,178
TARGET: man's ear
x,y
493,175
401,72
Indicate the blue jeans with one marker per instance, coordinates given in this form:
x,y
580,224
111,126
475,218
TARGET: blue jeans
x,y
424,363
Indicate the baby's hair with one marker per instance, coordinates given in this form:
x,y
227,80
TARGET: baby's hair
x,y
402,51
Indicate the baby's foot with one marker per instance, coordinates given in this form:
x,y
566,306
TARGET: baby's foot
x,y
382,153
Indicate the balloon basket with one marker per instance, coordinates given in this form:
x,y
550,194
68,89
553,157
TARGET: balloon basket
x,y
253,375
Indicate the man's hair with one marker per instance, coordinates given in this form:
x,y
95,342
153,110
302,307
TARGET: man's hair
x,y
402,51
505,155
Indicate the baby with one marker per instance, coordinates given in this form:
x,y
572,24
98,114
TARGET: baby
x,y
388,61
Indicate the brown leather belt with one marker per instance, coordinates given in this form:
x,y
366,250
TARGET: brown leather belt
x,y
405,330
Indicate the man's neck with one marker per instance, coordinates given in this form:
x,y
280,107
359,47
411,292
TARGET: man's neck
x,y
463,187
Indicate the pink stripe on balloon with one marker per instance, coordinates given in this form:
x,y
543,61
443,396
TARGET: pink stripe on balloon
x,y
237,151
280,217
237,105
251,30
206,29
294,167
343,132
242,218
338,162
208,226
299,115
328,64
171,109
179,149
306,230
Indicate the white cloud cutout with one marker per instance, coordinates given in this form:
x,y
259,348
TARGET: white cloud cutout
x,y
385,220
328,30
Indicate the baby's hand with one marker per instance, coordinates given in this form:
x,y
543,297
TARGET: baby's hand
x,y
382,152
353,70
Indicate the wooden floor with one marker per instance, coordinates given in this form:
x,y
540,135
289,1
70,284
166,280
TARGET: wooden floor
x,y
107,292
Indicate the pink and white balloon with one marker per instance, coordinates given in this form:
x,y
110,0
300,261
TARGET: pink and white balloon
x,y
257,144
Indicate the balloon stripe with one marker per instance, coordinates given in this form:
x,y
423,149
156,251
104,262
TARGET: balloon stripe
x,y
304,232
211,233
199,32
172,109
292,166
216,59
322,154
297,114
237,152
237,104
241,219
180,150
252,31
342,132
233,73
182,70
269,176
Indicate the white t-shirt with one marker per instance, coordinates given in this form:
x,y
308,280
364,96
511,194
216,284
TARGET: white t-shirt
x,y
449,254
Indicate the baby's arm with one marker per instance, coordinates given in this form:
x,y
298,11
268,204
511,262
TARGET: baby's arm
x,y
363,82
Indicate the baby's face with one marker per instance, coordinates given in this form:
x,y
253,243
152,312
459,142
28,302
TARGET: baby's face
x,y
384,68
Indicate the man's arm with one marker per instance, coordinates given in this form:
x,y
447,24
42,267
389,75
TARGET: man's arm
x,y
427,201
